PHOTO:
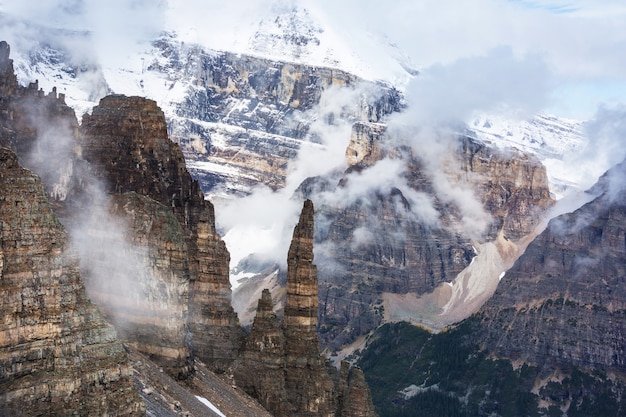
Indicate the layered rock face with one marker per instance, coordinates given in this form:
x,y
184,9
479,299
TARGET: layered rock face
x,y
385,244
563,301
260,370
127,147
58,354
248,115
281,364
549,342
354,393
308,387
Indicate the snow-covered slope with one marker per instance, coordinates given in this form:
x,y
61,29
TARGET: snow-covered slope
x,y
281,32
302,34
555,141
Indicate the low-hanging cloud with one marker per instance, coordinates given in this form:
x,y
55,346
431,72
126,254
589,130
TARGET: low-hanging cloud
x,y
498,81
607,144
263,221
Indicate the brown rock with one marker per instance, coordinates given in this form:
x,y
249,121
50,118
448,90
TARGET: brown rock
x,y
57,353
563,301
281,365
354,394
365,147
126,144
260,369
380,247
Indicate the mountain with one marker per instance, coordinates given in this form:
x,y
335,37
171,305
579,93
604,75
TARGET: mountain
x,y
412,225
117,217
552,139
549,342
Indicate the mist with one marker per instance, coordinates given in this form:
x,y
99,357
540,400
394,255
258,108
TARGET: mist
x,y
263,221
118,272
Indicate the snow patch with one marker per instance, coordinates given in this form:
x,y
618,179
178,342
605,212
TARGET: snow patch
x,y
210,405
553,140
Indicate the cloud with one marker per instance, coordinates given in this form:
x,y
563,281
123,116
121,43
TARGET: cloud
x,y
443,97
495,82
580,41
117,28
263,221
605,146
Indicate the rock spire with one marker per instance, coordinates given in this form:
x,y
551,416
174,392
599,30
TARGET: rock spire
x,y
281,364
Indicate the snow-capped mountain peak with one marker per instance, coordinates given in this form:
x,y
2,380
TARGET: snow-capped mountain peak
x,y
554,140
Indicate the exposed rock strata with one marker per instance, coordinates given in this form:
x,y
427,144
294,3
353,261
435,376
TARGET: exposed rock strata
x,y
127,147
354,393
379,246
260,369
249,114
58,354
173,301
281,364
309,388
563,301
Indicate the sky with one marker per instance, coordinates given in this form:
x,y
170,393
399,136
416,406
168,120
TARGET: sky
x,y
581,43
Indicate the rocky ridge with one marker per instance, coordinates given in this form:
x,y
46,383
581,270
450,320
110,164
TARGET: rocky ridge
x,y
549,342
281,364
146,226
241,119
127,147
388,254
250,115
58,354
562,301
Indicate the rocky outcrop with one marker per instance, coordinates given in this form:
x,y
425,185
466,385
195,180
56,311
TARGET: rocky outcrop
x,y
151,260
260,369
549,342
365,147
248,114
309,388
563,301
149,300
354,393
127,147
382,244
57,353
281,364
512,186
8,89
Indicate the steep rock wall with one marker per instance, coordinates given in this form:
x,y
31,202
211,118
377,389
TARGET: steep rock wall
x,y
58,354
281,364
377,247
248,115
127,147
563,301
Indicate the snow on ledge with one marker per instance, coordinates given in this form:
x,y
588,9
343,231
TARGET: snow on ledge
x,y
210,405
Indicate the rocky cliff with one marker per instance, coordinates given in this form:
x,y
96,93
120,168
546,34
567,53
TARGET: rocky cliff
x,y
562,303
126,144
395,253
248,116
281,364
153,263
58,354
549,342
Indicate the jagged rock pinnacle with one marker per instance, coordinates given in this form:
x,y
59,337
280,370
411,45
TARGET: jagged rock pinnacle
x,y
301,304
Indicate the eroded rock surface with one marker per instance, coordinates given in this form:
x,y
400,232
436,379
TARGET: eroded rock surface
x,y
281,364
128,149
57,353
392,245
563,301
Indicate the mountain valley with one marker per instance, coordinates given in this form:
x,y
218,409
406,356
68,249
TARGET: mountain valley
x,y
150,263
